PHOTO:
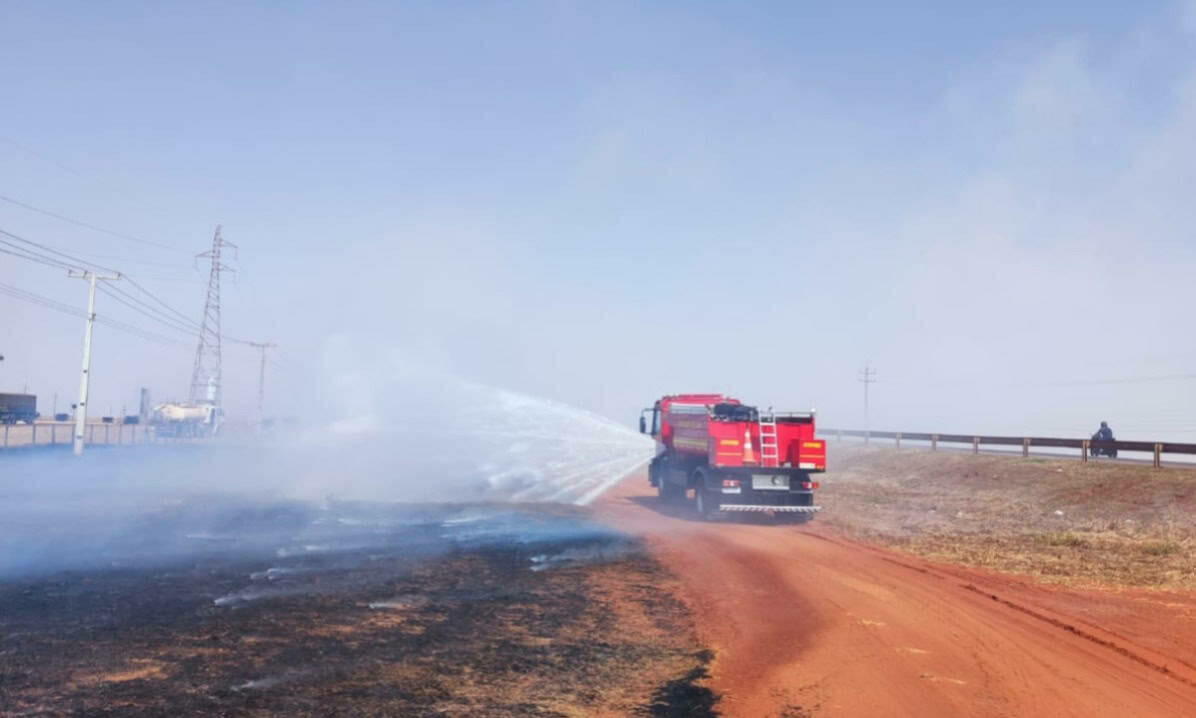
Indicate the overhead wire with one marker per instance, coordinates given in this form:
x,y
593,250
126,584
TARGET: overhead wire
x,y
133,283
87,225
76,262
119,298
177,318
38,154
49,256
25,254
48,303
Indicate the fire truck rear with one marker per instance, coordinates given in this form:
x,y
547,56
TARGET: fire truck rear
x,y
734,457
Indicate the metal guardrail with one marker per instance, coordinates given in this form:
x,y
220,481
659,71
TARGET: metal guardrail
x,y
61,433
1155,448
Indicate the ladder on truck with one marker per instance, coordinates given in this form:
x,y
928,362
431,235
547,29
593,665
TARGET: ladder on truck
x,y
769,446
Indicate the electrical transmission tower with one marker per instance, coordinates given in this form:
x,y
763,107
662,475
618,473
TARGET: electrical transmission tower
x,y
867,377
207,376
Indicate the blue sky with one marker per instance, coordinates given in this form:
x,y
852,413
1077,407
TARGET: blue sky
x,y
599,203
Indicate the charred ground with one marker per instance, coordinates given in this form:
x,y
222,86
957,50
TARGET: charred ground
x,y
576,625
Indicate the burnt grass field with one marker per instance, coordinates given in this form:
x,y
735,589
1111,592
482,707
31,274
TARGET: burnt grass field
x,y
432,621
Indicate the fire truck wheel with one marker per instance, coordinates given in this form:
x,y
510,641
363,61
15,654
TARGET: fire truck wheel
x,y
701,503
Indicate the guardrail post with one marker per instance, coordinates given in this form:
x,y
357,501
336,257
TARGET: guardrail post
x,y
975,444
120,434
34,442
53,434
934,442
6,436
106,434
1084,451
898,439
1025,448
1158,456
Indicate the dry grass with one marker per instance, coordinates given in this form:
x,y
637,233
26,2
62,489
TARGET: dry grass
x,y
1062,521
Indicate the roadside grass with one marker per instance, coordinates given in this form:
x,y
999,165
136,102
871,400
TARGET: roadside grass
x,y
1061,521
1074,558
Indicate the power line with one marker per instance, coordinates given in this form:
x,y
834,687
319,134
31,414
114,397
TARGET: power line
x,y
118,298
49,256
46,302
177,319
76,261
24,295
25,254
163,304
87,225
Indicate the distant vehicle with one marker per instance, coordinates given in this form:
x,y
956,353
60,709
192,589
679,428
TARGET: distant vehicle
x,y
1095,447
1102,442
733,456
178,419
62,417
18,407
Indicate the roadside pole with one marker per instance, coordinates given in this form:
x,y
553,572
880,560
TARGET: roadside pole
x,y
81,412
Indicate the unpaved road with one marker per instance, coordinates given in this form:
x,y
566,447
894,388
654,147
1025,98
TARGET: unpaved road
x,y
806,623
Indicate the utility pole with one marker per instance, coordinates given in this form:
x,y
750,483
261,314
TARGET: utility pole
x,y
81,414
867,377
261,381
207,374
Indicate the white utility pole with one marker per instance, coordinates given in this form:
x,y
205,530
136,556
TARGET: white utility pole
x,y
867,377
81,412
261,382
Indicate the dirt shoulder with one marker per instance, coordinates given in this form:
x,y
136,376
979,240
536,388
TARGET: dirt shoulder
x,y
1094,525
804,621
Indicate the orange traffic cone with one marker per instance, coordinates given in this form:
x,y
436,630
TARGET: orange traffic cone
x,y
749,456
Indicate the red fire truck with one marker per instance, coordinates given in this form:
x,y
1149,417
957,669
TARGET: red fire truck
x,y
734,457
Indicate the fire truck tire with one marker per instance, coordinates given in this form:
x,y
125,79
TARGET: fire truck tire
x,y
700,501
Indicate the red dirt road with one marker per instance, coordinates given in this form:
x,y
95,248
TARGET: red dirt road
x,y
806,623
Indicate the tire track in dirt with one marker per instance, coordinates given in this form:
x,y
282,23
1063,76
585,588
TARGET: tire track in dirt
x,y
1140,654
806,623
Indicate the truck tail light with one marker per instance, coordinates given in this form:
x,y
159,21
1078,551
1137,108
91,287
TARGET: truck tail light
x,y
730,483
809,485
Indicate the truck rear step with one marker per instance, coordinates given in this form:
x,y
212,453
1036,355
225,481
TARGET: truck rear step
x,y
778,509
